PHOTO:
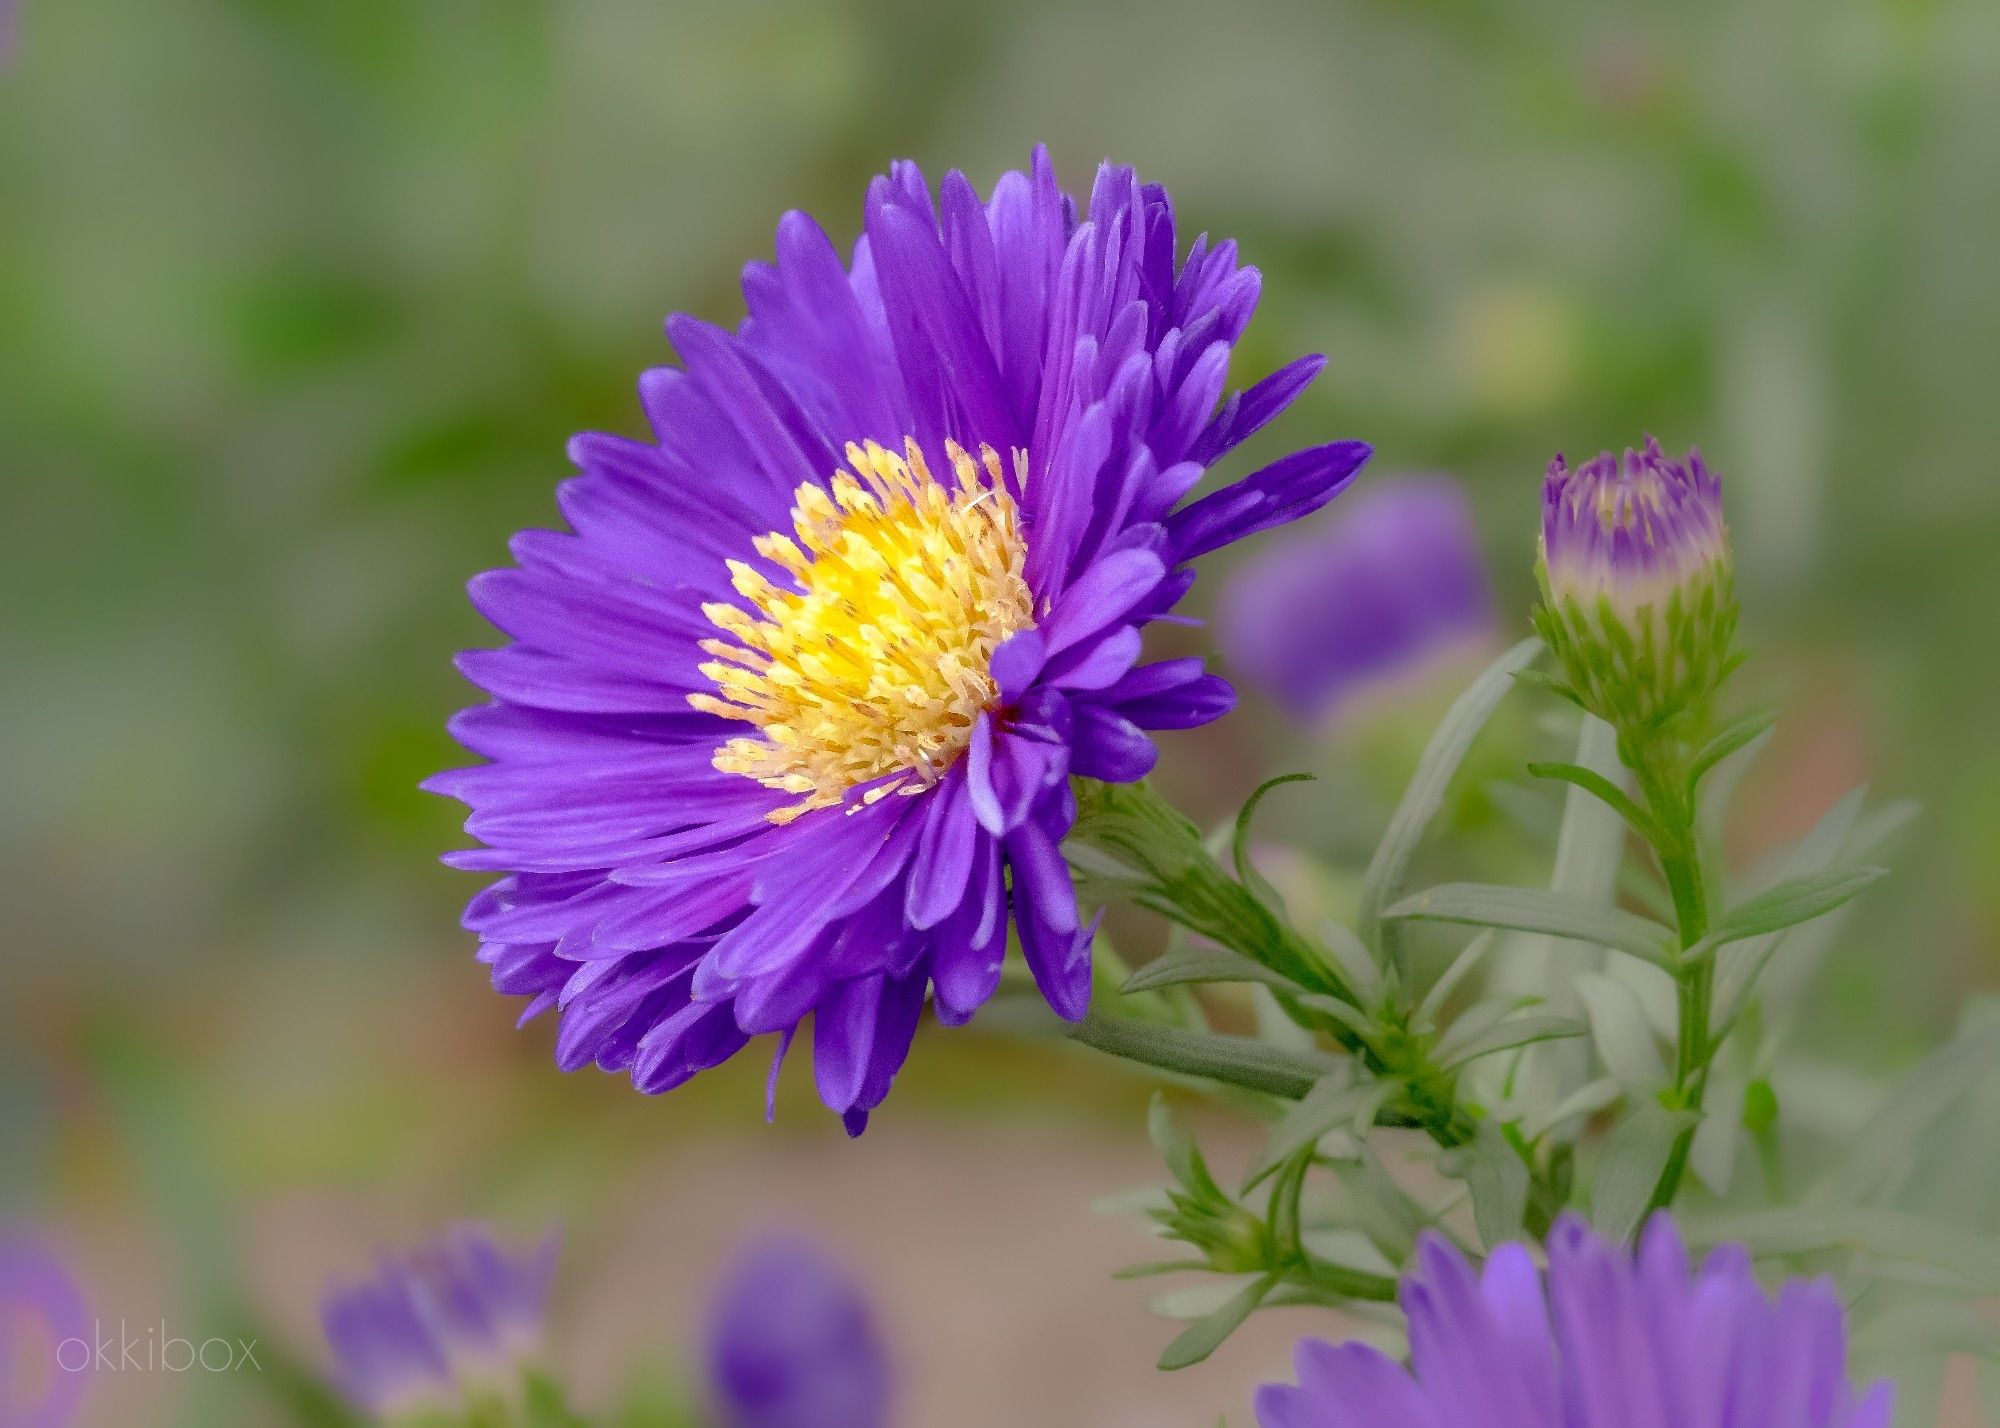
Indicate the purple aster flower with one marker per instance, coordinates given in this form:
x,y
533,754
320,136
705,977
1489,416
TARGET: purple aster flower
x,y
1385,583
1613,1341
456,1314
789,716
1638,596
792,1344
47,1336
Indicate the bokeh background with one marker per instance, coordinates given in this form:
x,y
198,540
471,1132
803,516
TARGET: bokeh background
x,y
299,300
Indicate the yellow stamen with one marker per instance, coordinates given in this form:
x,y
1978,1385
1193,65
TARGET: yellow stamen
x,y
880,661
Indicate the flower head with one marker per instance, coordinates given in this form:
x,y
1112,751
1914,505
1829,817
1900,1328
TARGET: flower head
x,y
1612,1340
786,726
44,1324
1385,583
1637,585
792,1344
456,1316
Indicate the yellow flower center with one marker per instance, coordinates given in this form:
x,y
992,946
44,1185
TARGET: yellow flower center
x,y
880,660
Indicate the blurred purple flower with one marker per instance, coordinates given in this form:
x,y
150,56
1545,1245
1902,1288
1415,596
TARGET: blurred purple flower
x,y
1382,584
1635,1342
457,1312
787,723
43,1316
792,1344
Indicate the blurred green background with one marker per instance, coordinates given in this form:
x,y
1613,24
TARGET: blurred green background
x,y
299,300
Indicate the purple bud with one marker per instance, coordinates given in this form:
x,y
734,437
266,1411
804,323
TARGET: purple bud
x,y
792,1344
1632,530
1638,589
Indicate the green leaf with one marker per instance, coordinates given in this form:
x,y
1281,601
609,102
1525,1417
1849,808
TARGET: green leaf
x,y
1586,1100
1537,910
1176,1148
1427,1011
1723,778
1246,871
1213,1056
1357,964
1505,1036
1966,1255
1629,1168
1790,903
1922,1103
1205,1336
1614,797
1364,1026
1154,1267
1739,968
1425,795
1201,964
1337,1101
1380,1209
1740,734
1624,1037
1498,1179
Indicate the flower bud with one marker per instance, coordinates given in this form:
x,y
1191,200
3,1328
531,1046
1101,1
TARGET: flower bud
x,y
1638,598
793,1343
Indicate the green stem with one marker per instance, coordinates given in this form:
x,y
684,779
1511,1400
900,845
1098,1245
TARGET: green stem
x,y
1663,778
1182,882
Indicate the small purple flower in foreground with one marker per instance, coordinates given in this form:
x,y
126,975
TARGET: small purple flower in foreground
x,y
458,1314
1638,593
1613,1341
47,1343
792,1344
788,722
1386,582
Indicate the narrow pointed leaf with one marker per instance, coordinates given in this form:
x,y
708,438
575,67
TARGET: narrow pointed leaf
x,y
1602,788
1629,1168
1425,795
1586,1100
1536,910
1233,1060
1246,871
1790,903
1743,732
1205,1336
1498,1179
1445,985
1336,1102
1513,1032
1201,964
1967,1255
1357,964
